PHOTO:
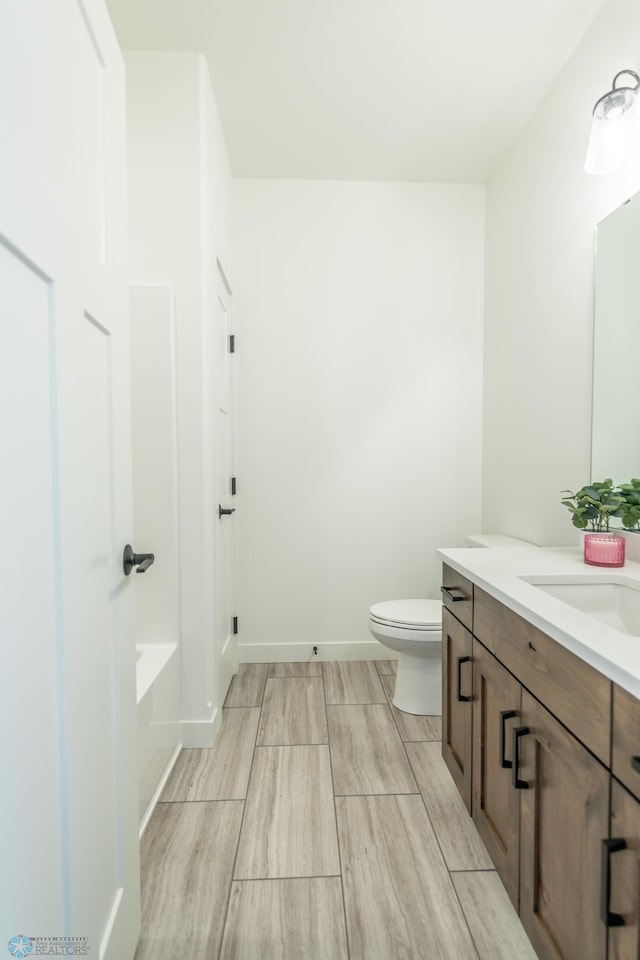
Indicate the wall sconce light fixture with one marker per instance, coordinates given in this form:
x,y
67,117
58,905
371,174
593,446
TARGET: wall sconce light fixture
x,y
615,127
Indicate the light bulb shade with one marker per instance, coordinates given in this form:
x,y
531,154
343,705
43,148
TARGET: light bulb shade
x,y
615,128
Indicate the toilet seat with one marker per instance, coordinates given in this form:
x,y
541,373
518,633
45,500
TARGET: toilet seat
x,y
415,615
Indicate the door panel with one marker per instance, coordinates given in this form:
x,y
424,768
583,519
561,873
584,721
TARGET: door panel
x,y
496,804
223,364
68,715
74,35
31,631
563,818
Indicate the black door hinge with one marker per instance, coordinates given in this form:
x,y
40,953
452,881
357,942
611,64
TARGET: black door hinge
x,y
235,625
233,486
232,343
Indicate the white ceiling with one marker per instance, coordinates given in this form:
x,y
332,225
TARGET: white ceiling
x,y
425,90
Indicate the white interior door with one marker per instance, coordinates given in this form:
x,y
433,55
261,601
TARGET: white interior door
x,y
225,488
69,835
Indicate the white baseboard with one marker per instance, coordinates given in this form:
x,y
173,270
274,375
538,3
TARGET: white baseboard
x,y
201,733
158,790
300,652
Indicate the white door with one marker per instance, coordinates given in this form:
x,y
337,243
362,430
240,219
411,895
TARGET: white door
x,y
225,487
68,813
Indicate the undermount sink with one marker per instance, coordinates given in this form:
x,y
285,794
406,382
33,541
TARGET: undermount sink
x,y
610,599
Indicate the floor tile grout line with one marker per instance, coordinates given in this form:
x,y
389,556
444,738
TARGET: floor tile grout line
x,y
397,725
235,858
419,794
292,876
466,919
335,815
444,859
435,834
288,746
360,703
390,793
305,681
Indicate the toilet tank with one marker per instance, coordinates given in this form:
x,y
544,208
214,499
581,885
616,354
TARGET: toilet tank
x,y
496,540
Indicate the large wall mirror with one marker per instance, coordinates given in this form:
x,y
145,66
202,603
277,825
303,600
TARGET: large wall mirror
x,y
615,438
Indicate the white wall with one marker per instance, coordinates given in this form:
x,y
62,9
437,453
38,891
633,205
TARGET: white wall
x,y
359,310
541,213
179,203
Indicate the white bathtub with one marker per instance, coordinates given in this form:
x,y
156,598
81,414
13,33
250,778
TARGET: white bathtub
x,y
157,687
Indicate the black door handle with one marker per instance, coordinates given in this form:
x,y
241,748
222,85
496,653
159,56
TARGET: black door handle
x,y
224,511
140,560
515,779
461,660
504,716
608,847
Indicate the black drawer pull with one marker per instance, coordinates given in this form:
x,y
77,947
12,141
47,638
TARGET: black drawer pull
x,y
454,597
518,733
635,763
462,660
608,847
504,716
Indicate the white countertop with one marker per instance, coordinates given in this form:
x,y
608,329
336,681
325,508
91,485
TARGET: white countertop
x,y
498,572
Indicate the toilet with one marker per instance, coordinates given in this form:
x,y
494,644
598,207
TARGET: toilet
x,y
413,629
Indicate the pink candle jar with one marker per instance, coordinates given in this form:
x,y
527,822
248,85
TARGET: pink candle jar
x,y
604,549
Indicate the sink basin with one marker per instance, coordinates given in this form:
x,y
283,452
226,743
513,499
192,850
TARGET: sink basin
x,y
610,599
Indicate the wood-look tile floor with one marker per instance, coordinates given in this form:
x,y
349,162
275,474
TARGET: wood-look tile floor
x,y
322,826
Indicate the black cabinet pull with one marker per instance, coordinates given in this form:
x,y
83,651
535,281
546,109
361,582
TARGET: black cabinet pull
x,y
635,763
504,716
462,660
454,597
140,560
225,511
518,733
608,847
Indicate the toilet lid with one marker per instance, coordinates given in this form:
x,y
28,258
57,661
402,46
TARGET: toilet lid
x,y
423,614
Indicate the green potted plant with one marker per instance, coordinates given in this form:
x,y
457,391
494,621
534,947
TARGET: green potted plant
x,y
630,493
592,508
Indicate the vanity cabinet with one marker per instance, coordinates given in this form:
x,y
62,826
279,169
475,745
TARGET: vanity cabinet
x,y
572,690
496,805
555,781
625,752
622,863
457,697
564,816
540,803
623,867
457,692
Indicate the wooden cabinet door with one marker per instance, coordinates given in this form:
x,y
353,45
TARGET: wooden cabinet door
x,y
624,866
563,819
457,696
496,804
625,753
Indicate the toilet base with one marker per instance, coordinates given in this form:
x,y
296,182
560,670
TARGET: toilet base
x,y
419,685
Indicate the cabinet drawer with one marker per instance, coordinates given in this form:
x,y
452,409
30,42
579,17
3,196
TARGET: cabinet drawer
x,y
457,595
573,691
626,739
